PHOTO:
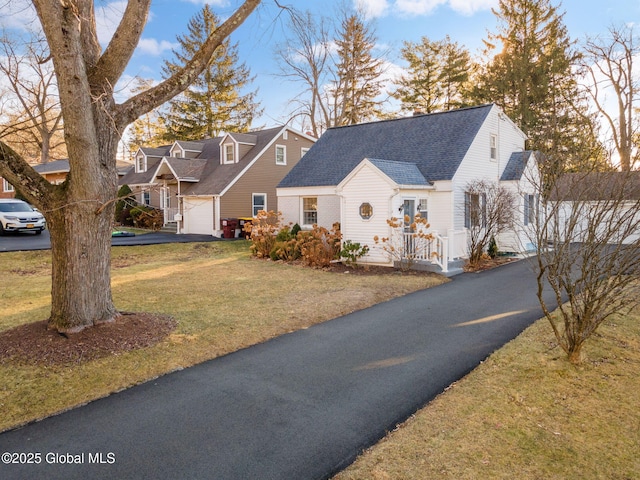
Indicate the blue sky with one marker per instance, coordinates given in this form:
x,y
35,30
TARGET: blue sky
x,y
465,21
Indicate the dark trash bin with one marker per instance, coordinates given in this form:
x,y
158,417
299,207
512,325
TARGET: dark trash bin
x,y
229,226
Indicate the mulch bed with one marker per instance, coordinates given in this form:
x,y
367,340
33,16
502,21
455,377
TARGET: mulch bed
x,y
489,264
33,343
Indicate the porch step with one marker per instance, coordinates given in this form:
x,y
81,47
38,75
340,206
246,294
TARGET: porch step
x,y
170,228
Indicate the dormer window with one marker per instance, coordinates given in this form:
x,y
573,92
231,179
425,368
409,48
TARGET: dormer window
x,y
229,153
493,147
141,164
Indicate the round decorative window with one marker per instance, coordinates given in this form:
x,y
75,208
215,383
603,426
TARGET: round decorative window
x,y
366,211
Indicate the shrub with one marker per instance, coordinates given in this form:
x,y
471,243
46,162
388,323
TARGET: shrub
x,y
288,250
320,246
125,199
352,251
492,249
264,230
147,217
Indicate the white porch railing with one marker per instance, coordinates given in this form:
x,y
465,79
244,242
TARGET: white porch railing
x,y
433,250
169,214
458,244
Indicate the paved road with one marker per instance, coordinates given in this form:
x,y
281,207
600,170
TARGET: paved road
x,y
301,406
29,241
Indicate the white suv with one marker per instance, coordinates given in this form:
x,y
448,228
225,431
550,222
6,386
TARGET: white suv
x,y
19,216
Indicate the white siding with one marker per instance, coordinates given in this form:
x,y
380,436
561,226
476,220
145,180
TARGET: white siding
x,y
290,204
477,164
198,215
368,186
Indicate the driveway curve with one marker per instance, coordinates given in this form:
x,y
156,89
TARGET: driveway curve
x,y
301,406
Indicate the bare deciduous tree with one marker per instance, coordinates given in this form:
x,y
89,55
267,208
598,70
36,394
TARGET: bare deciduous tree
x,y
588,252
610,65
32,107
80,211
489,210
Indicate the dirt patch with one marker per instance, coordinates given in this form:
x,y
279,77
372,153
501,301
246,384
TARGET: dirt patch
x,y
33,343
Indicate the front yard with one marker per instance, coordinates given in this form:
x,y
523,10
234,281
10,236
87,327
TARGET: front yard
x,y
222,300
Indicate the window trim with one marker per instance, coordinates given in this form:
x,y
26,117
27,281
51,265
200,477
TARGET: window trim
x,y
141,163
530,209
469,199
493,146
7,187
303,151
225,153
304,212
284,154
253,203
366,211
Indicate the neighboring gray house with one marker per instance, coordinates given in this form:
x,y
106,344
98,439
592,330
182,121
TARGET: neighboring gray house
x,y
362,175
198,184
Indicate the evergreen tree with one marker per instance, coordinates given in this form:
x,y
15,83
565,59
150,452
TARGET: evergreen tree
x,y
533,80
438,74
357,73
213,103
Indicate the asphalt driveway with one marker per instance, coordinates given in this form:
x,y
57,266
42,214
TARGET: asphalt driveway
x,y
301,406
29,241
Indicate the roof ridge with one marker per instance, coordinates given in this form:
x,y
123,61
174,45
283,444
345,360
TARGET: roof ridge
x,y
422,115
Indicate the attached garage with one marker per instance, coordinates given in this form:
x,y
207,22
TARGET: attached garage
x,y
198,215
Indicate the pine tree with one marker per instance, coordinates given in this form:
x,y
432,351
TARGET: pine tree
x,y
532,79
214,102
438,73
357,72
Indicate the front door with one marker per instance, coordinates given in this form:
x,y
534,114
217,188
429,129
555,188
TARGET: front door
x,y
409,210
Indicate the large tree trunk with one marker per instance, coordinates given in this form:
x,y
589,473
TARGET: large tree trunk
x,y
80,248
80,227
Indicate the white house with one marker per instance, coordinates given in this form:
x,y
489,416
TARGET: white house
x,y
362,175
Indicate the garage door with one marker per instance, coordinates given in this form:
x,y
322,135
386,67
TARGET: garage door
x,y
198,215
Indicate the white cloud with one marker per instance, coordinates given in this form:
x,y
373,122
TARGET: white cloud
x,y
469,7
151,46
417,7
372,8
381,8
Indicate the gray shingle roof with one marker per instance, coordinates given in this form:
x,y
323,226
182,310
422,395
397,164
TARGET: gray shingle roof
x,y
192,146
187,169
156,151
215,177
436,143
402,173
57,166
516,165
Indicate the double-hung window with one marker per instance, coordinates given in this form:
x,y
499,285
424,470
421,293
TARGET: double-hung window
x,y
530,209
475,210
310,210
281,155
229,153
259,203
